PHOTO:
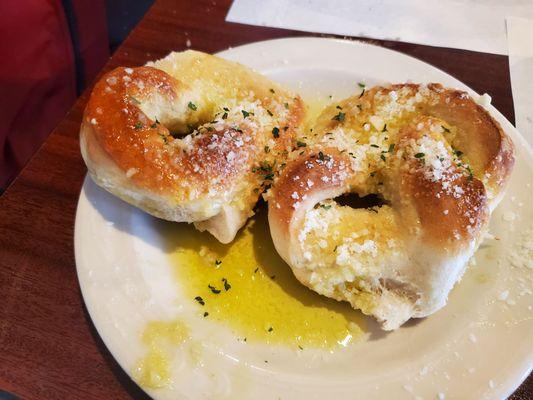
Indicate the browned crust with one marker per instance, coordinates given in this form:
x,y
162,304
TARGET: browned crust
x,y
464,218
132,140
453,209
481,138
311,173
118,130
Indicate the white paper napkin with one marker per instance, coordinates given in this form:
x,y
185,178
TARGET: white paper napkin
x,y
520,38
477,25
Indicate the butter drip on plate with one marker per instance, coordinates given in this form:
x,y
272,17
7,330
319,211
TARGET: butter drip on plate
x,y
153,370
247,287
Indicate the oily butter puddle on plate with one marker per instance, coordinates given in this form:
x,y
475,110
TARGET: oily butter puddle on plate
x,y
246,286
153,370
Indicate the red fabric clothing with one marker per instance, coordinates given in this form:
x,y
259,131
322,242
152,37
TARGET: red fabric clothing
x,y
92,32
38,73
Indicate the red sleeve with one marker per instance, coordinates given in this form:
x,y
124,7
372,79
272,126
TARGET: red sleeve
x,y
38,71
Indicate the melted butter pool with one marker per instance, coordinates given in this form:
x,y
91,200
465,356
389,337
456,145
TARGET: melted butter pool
x,y
246,286
153,370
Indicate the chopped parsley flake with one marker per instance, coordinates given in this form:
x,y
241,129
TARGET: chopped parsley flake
x,y
362,85
384,128
339,117
374,145
138,125
391,147
272,90
275,132
192,106
225,115
267,149
270,330
218,262
321,156
286,105
213,289
200,300
227,286
245,114
325,206
382,156
270,113
445,129
419,155
300,144
206,314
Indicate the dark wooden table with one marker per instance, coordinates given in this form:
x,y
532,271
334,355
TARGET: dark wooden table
x,y
49,348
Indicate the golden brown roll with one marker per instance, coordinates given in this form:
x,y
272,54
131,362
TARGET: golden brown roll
x,y
189,138
437,164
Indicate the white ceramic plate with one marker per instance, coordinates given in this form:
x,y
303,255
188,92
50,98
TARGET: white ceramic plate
x,y
478,347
